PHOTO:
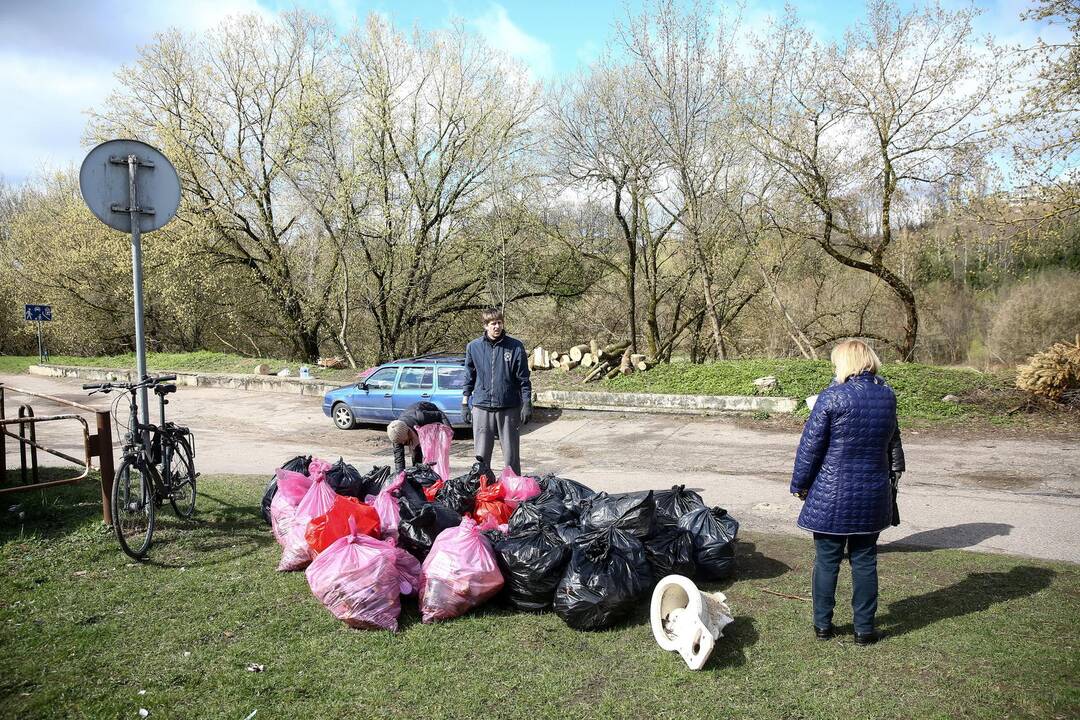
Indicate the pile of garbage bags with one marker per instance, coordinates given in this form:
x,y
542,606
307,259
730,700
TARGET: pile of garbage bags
x,y
535,543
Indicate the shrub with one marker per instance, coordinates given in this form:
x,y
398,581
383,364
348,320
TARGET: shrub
x,y
1036,313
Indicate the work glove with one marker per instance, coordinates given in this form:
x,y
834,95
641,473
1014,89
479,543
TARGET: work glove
x,y
526,412
466,412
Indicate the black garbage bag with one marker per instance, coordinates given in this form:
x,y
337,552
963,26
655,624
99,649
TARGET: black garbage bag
x,y
674,503
344,479
569,531
422,474
531,515
713,531
532,565
459,492
671,551
608,575
411,491
568,491
297,464
634,513
421,524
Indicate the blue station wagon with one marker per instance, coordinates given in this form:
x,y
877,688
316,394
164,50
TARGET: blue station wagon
x,y
384,394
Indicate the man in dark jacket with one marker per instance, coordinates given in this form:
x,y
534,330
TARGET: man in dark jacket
x,y
497,396
402,432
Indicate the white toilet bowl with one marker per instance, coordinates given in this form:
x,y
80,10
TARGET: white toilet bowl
x,y
686,620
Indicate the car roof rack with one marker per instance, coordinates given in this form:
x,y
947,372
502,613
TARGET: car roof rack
x,y
435,356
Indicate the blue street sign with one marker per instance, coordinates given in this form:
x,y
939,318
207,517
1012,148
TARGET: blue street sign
x,y
38,313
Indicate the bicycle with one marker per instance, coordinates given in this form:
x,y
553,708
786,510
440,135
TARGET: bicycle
x,y
148,476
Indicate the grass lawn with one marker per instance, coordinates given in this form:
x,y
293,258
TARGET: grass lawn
x,y
85,631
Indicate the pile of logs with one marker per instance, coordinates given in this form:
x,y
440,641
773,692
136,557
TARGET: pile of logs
x,y
605,362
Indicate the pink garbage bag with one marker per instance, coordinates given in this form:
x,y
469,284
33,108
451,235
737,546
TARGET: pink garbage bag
x,y
317,468
435,444
317,501
517,488
459,573
386,505
291,487
361,580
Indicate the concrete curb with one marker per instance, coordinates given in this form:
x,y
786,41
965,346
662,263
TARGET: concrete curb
x,y
259,383
564,399
653,402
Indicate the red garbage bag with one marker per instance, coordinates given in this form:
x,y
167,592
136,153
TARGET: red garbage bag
x,y
435,444
459,573
361,580
317,501
489,502
433,489
346,511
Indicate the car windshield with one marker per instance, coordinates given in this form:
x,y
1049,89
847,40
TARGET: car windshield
x,y
451,378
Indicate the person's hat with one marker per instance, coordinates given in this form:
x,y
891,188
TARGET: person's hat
x,y
398,432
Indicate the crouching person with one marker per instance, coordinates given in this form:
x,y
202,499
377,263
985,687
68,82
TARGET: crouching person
x,y
497,396
402,432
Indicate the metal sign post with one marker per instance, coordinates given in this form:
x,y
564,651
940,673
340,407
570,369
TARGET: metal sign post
x,y
130,186
39,314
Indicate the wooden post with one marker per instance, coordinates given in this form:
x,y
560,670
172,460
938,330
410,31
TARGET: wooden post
x,y
103,449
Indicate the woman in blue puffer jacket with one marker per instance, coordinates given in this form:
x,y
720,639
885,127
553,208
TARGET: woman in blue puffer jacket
x,y
848,461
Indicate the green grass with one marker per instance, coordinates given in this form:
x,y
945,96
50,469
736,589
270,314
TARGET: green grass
x,y
919,388
84,631
201,361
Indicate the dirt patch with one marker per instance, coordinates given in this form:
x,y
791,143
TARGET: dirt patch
x,y
999,480
570,451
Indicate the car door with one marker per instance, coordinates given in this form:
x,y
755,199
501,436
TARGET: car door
x,y
449,382
416,383
373,399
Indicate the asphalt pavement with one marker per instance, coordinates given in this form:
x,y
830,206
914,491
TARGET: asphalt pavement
x,y
994,494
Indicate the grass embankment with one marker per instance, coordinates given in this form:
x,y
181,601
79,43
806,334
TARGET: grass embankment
x,y
85,631
201,361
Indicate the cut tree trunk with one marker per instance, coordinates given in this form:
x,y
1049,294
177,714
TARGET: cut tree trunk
x,y
597,372
645,364
624,365
615,349
636,358
567,364
613,372
587,360
578,351
594,348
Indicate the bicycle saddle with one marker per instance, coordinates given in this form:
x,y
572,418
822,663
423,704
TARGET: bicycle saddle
x,y
164,390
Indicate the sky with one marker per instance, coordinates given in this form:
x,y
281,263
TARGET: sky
x,y
58,57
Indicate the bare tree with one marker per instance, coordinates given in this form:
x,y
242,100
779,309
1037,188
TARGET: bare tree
x,y
232,110
904,102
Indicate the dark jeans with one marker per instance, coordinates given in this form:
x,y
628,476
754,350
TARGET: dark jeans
x,y
862,552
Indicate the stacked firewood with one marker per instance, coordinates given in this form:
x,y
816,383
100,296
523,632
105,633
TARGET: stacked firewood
x,y
602,362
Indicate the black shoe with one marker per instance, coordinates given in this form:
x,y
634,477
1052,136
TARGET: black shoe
x,y
823,633
867,638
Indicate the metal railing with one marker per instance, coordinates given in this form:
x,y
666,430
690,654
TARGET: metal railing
x,y
97,445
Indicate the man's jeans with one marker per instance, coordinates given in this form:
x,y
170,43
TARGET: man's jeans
x,y
862,552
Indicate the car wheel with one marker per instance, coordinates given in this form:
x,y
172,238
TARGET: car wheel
x,y
343,417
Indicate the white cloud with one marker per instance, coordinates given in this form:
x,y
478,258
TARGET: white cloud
x,y
496,27
58,60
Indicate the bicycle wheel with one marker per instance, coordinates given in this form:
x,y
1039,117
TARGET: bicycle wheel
x,y
181,478
133,510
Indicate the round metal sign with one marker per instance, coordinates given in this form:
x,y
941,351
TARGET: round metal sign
x,y
105,180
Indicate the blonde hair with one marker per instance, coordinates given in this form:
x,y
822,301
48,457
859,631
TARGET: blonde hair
x,y
852,357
